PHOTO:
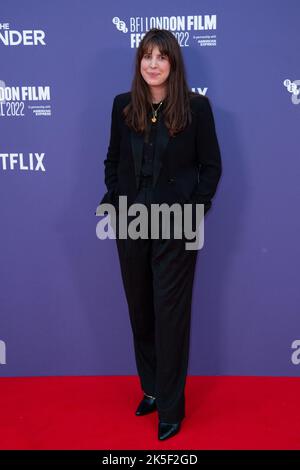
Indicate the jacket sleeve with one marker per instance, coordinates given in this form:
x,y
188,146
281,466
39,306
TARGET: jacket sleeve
x,y
112,157
113,153
209,157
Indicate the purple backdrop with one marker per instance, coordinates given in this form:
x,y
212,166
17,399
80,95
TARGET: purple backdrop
x,y
63,309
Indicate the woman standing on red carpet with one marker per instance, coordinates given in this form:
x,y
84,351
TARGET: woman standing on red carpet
x,y
163,149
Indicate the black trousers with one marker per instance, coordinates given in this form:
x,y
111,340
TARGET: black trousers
x,y
158,277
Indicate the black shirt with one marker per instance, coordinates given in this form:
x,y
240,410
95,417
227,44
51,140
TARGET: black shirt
x,y
149,145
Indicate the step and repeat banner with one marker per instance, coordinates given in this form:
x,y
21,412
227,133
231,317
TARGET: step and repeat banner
x,y
62,306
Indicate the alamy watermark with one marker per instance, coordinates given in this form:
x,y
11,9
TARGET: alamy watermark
x,y
179,221
2,352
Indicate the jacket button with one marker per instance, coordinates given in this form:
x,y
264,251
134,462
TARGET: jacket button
x,y
170,180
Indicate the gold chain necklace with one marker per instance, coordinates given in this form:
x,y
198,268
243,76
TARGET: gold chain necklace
x,y
154,112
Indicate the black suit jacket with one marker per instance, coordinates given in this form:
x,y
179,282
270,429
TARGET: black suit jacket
x,y
187,167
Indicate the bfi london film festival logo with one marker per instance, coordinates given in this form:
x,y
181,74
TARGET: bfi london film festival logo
x,y
293,87
295,358
15,101
199,29
164,222
26,37
2,352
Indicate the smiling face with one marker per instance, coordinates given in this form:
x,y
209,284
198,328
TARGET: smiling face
x,y
155,68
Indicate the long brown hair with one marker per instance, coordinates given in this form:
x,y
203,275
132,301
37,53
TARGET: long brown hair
x,y
176,107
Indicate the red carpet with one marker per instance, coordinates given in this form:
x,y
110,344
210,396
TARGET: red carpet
x,y
98,413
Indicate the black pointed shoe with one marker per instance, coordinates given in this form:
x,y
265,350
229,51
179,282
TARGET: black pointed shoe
x,y
166,430
147,405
